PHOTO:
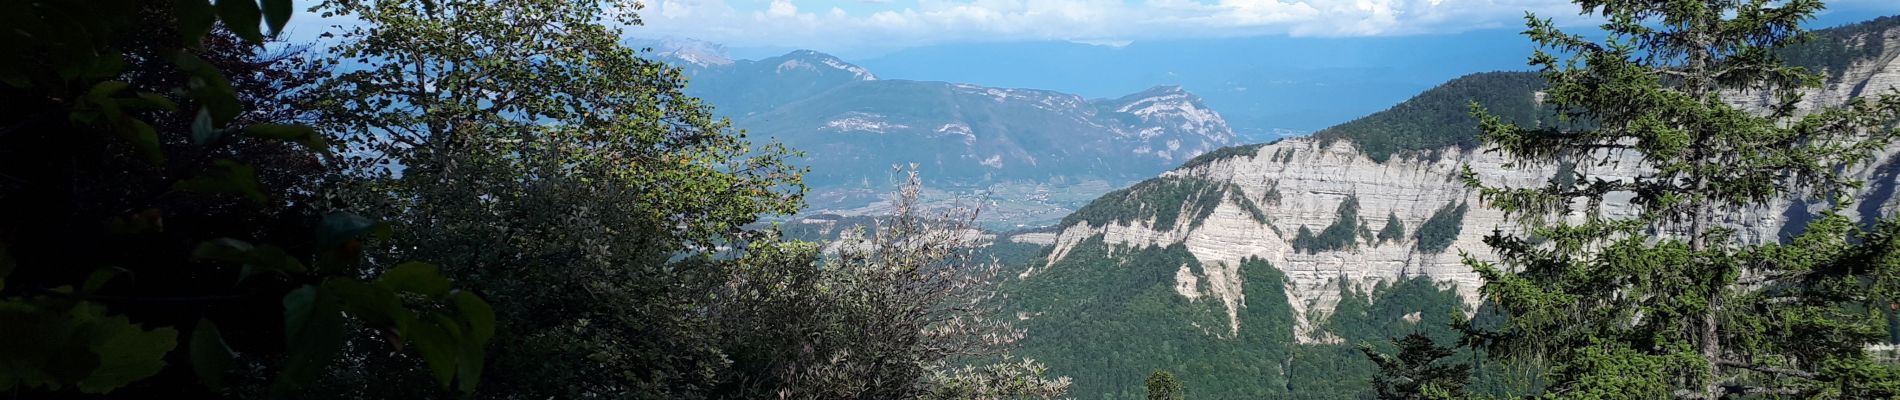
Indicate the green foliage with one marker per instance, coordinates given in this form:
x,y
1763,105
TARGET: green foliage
x,y
1419,371
1163,200
1372,318
157,141
1831,51
1003,380
1222,154
1162,386
517,144
1439,117
1342,234
1394,229
1439,231
1566,175
1108,321
584,196
48,345
896,314
1667,300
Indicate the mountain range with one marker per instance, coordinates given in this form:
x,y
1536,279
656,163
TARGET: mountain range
x,y
1255,271
1035,154
1251,270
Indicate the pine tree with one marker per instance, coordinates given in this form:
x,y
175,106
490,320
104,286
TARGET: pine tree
x,y
1162,386
1417,371
1672,301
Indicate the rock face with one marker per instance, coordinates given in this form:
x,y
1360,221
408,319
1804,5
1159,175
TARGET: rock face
x,y
1301,183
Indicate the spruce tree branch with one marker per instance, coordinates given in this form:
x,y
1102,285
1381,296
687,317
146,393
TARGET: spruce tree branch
x,y
1764,368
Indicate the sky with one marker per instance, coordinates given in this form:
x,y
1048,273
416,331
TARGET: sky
x,y
868,28
873,26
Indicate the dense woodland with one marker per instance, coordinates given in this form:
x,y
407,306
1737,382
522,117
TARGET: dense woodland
x,y
1831,51
488,199
1164,202
1439,118
498,199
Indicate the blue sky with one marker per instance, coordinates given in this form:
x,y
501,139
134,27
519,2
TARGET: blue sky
x,y
869,27
858,26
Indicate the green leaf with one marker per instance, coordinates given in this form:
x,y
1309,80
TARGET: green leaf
x,y
126,353
439,343
299,134
210,356
106,89
209,87
145,138
339,227
416,277
223,249
202,131
375,304
157,101
241,17
42,347
480,317
313,332
469,368
481,322
106,66
272,260
226,176
195,18
276,13
99,278
255,259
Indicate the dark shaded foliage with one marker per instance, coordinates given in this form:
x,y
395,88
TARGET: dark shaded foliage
x,y
1342,234
1164,200
1437,233
1440,117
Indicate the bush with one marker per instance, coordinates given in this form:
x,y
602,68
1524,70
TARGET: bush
x,y
1438,232
1394,229
1340,235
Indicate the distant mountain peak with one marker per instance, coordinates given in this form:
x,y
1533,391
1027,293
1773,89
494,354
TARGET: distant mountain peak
x,y
691,51
1174,107
814,60
1163,95
1162,89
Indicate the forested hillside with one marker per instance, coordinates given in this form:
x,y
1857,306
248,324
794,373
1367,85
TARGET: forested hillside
x,y
1440,118
494,199
503,199
1831,51
1361,233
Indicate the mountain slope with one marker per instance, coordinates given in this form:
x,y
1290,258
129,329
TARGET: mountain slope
x,y
1036,154
1440,117
1317,211
745,87
963,135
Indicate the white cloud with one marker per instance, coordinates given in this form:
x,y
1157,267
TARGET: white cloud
x,y
872,25
781,9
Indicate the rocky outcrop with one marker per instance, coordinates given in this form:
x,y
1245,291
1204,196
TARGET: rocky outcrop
x,y
1299,183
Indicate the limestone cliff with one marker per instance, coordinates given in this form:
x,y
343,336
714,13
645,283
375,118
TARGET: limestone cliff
x,y
1252,200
